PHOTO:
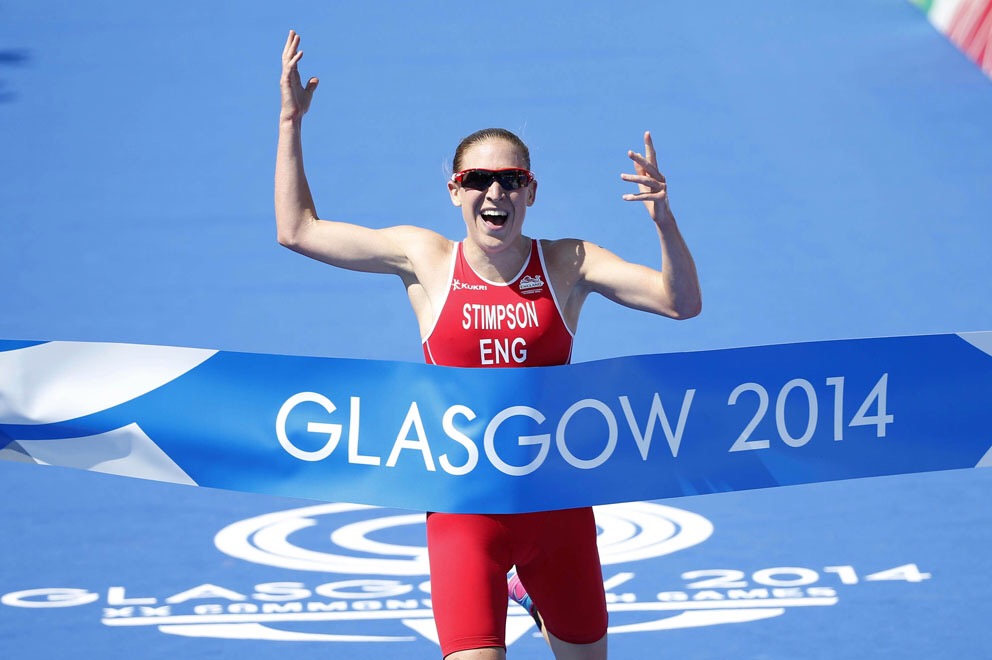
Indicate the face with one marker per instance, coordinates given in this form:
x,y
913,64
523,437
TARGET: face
x,y
494,217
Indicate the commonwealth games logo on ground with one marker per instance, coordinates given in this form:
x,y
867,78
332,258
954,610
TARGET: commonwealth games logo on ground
x,y
373,584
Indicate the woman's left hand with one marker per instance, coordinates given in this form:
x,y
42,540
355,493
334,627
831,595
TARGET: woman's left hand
x,y
653,189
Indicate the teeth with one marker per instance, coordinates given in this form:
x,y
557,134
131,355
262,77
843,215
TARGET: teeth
x,y
494,217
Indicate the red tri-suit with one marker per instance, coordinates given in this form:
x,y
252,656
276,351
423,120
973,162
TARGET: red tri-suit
x,y
516,324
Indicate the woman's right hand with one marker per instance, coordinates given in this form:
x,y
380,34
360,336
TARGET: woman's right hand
x,y
295,97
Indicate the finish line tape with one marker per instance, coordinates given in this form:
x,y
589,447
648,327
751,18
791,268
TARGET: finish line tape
x,y
502,440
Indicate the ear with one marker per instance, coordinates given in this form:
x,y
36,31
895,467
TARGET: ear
x,y
532,193
455,191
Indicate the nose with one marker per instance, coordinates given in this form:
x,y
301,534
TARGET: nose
x,y
495,190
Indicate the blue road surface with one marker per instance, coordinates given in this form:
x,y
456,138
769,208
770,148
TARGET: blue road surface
x,y
830,165
895,567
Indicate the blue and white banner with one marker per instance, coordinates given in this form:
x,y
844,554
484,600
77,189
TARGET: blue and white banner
x,y
502,440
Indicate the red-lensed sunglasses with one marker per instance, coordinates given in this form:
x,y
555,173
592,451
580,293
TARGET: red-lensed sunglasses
x,y
510,178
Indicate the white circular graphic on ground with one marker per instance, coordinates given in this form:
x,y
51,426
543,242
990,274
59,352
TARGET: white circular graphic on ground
x,y
627,532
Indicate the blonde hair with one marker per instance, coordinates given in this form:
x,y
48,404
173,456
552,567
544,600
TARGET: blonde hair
x,y
485,135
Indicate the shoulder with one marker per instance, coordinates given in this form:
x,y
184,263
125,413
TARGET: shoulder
x,y
564,261
562,251
573,257
417,235
420,244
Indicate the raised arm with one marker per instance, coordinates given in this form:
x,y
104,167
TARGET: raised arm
x,y
298,226
672,291
294,203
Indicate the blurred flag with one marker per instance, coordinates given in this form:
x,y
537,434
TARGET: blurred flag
x,y
967,23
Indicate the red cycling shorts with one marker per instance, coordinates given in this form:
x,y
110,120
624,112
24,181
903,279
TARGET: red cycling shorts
x,y
556,558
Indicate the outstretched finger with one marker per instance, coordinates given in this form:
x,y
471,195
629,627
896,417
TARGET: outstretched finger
x,y
649,196
648,181
649,151
292,41
650,168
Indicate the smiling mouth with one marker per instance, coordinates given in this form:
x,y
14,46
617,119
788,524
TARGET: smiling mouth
x,y
494,217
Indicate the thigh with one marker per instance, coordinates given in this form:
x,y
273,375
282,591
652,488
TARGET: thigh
x,y
563,576
469,560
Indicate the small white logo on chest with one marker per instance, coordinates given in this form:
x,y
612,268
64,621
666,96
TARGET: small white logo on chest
x,y
457,285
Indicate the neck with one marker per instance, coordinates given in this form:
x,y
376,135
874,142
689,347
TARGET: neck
x,y
498,265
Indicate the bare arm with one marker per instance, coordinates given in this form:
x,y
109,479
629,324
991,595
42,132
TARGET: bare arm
x,y
672,291
298,226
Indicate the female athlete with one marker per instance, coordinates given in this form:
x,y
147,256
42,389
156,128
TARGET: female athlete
x,y
497,298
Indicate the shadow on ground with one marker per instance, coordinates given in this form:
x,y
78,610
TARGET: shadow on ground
x,y
10,58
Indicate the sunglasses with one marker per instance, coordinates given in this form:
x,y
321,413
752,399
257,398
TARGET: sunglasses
x,y
510,178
